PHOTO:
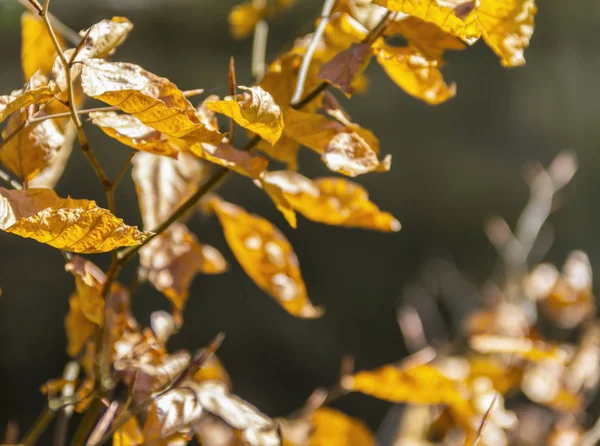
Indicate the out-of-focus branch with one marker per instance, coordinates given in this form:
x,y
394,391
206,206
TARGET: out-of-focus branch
x,y
259,49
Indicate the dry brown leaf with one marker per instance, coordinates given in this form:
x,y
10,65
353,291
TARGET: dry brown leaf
x,y
343,68
334,428
154,100
37,49
266,256
174,257
507,27
415,73
132,132
456,17
64,223
255,110
37,90
33,149
333,201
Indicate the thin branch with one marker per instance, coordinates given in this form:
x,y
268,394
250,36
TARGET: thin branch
x,y
39,427
68,33
4,176
325,13
259,49
87,423
123,169
485,421
232,92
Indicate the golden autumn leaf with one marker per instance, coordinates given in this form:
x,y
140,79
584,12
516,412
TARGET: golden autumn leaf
x,y
226,155
266,256
37,90
154,100
130,434
244,17
285,150
132,132
334,428
175,256
310,129
37,49
64,223
88,286
414,73
77,327
343,68
104,37
333,201
417,385
507,27
31,150
456,17
255,110
350,154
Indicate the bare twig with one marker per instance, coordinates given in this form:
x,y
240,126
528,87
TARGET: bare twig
x,y
103,424
232,92
38,427
484,421
302,73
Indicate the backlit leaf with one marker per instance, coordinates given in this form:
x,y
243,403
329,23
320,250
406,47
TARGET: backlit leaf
x,y
88,283
226,155
129,434
174,257
64,223
50,174
77,327
507,27
415,73
349,154
334,428
37,49
285,150
454,16
36,91
154,100
132,132
266,256
33,149
254,110
104,37
333,201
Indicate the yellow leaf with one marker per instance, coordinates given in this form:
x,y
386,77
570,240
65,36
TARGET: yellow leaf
x,y
154,100
454,16
77,327
334,428
33,149
50,174
64,223
88,282
418,385
507,27
285,150
174,257
350,154
255,110
266,256
343,68
428,38
310,129
414,73
244,17
333,201
228,156
104,37
37,49
132,132
36,91
212,369
129,434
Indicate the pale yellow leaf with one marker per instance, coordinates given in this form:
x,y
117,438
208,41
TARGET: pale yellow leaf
x,y
31,150
244,17
415,73
456,17
36,91
255,110
285,150
104,37
50,174
129,434
88,283
64,223
334,428
154,100
333,201
349,154
132,132
37,49
507,27
266,256
526,348
77,327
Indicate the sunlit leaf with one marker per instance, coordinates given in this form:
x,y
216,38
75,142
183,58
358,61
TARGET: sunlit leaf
x,y
50,174
333,201
226,155
334,428
129,434
38,90
37,49
254,110
132,132
154,100
266,256
507,27
174,257
104,37
64,223
415,73
418,385
343,68
77,327
310,129
285,150
169,414
88,283
349,154
454,16
31,150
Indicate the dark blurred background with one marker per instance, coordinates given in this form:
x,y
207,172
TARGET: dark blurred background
x,y
453,166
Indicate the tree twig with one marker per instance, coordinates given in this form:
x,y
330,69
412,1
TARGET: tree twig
x,y
38,427
259,49
232,92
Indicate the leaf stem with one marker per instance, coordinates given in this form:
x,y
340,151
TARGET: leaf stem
x,y
39,427
87,423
